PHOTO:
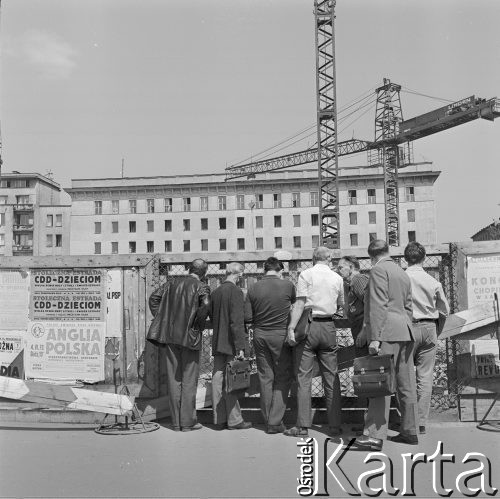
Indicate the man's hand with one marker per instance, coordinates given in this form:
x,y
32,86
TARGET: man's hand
x,y
361,338
290,338
374,347
240,355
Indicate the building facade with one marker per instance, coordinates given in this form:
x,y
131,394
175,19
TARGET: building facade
x,y
276,210
34,216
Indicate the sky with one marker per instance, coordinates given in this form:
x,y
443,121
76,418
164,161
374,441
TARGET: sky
x,y
178,87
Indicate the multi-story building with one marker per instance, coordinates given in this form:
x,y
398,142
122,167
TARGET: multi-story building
x,y
34,216
277,210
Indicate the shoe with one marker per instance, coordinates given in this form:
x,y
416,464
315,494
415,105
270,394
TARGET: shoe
x,y
408,439
220,426
367,443
421,430
196,426
244,425
175,428
334,431
297,431
273,429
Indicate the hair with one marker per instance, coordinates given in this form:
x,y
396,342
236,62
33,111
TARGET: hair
x,y
321,254
234,268
352,261
378,247
414,253
272,263
198,267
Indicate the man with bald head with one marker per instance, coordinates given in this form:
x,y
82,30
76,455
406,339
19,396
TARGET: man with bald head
x,y
180,308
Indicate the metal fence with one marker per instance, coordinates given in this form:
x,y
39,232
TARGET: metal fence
x,y
441,266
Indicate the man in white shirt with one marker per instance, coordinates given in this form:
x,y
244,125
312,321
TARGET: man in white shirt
x,y
320,290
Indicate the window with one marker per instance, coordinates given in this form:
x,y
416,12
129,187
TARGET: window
x,y
278,242
168,246
23,199
3,199
114,248
240,202
240,243
410,215
314,219
186,203
222,245
315,241
295,199
276,200
186,244
351,196
168,225
115,206
296,242
186,223
410,193
97,248
259,222
114,227
277,221
150,205
58,220
49,241
314,198
222,203
412,236
2,239
353,218
372,217
150,225
97,207
372,196
204,245
2,219
240,222
132,247
150,246
222,223
373,236
167,204
259,243
132,205
50,221
204,203
296,220
204,224
259,200
97,227
354,239
132,226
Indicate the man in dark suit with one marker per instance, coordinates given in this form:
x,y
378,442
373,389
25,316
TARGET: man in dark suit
x,y
228,341
388,329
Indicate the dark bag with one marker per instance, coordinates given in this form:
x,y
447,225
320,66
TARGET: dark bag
x,y
374,376
302,327
237,375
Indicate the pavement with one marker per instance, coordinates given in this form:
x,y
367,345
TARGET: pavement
x,y
70,463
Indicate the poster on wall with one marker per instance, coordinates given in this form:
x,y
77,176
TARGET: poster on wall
x,y
11,354
483,278
68,295
14,299
65,350
114,303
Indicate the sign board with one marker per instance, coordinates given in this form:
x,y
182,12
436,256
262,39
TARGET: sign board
x,y
65,350
14,299
11,354
114,303
485,359
483,278
68,295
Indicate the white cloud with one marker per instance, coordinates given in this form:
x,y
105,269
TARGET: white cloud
x,y
49,54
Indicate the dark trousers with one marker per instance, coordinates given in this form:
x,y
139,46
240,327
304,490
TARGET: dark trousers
x,y
377,416
183,366
274,366
321,343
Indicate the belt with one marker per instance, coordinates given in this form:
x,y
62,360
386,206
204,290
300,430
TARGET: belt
x,y
322,318
416,321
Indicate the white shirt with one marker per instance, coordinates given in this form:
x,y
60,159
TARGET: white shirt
x,y
321,287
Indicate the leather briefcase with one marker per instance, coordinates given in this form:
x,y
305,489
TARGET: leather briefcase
x,y
374,376
237,375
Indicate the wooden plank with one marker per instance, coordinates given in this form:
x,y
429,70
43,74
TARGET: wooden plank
x,y
469,320
65,396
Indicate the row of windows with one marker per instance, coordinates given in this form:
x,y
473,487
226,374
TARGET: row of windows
x,y
372,217
50,221
54,240
354,239
241,244
352,195
21,199
16,183
222,224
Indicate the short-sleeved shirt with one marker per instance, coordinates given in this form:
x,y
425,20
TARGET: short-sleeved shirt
x,y
321,287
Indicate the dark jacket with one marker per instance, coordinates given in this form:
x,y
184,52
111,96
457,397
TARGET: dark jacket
x,y
226,312
179,307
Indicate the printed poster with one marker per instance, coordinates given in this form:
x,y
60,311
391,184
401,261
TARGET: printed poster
x,y
65,350
11,354
68,295
14,299
483,278
114,304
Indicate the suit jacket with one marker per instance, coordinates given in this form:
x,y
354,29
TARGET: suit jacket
x,y
227,314
388,305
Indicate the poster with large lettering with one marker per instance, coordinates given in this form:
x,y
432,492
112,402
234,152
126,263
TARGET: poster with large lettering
x,y
68,295
14,299
114,304
483,278
11,354
65,350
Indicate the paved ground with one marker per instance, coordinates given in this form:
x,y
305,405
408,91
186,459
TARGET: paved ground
x,y
207,463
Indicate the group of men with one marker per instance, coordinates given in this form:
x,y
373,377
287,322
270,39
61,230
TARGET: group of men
x,y
391,311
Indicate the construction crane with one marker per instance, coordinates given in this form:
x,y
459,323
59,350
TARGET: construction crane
x,y
393,135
